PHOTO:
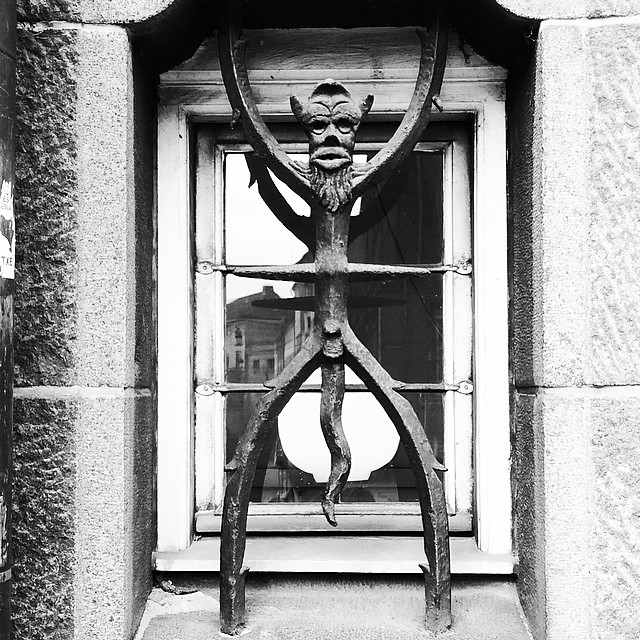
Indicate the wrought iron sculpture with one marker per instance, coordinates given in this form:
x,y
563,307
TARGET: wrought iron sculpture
x,y
330,184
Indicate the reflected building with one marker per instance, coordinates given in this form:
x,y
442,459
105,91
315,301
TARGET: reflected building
x,y
261,337
255,337
260,340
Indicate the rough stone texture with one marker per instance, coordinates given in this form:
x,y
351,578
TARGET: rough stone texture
x,y
565,9
92,11
579,517
45,10
84,513
46,207
85,237
338,608
615,516
579,246
520,171
576,345
556,235
104,350
43,519
78,320
528,500
614,179
565,427
114,514
118,12
144,162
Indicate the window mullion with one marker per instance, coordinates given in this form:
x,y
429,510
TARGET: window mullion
x,y
462,321
448,328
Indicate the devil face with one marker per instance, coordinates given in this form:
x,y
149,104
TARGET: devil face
x,y
330,119
331,123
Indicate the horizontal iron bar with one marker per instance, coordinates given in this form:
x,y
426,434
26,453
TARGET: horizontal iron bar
x,y
308,303
208,388
357,272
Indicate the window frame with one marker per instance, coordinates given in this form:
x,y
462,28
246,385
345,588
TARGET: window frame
x,y
455,150
475,92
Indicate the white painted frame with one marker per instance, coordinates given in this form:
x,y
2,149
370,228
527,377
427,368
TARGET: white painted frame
x,y
190,95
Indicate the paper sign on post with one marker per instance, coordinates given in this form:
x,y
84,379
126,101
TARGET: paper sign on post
x,y
7,232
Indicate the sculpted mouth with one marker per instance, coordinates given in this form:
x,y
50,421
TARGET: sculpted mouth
x,y
330,158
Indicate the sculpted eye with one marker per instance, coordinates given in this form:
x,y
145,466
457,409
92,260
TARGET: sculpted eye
x,y
344,126
318,126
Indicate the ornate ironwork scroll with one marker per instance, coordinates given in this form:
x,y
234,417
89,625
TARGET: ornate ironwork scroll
x,y
330,184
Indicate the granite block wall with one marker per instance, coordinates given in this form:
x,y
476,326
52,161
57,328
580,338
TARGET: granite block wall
x,y
576,345
84,453
571,9
92,11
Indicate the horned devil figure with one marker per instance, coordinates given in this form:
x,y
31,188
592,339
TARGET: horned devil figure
x,y
330,184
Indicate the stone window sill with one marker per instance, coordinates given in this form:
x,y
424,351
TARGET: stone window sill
x,y
335,554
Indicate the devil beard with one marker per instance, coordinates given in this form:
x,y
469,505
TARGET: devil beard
x,y
332,188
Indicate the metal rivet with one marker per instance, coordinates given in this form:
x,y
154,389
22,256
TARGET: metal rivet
x,y
465,387
464,268
205,389
204,267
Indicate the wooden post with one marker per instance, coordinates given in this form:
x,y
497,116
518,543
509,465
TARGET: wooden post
x,y
7,246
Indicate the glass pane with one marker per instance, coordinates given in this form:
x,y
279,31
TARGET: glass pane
x,y
261,337
406,336
408,211
395,482
294,465
276,479
399,321
267,322
253,234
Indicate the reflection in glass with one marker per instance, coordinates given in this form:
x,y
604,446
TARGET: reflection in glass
x,y
405,338
400,322
253,235
261,338
408,209
395,481
276,479
279,480
269,336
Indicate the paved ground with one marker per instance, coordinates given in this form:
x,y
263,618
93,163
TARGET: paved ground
x,y
289,607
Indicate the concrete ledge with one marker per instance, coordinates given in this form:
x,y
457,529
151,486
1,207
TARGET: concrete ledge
x,y
336,608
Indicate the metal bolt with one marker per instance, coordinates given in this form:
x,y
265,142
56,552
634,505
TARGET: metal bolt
x,y
465,387
205,389
204,267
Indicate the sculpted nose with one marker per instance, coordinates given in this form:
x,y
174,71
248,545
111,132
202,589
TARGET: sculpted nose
x,y
331,135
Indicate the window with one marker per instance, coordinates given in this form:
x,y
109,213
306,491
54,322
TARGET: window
x,y
447,336
419,329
